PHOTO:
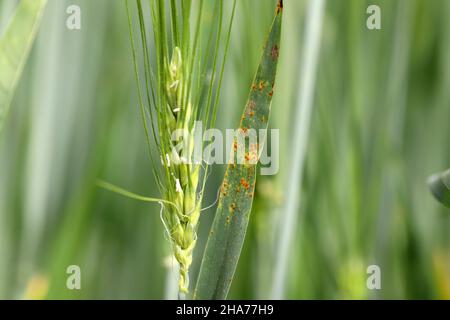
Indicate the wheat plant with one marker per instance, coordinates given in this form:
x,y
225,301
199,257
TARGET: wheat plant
x,y
180,87
378,128
173,101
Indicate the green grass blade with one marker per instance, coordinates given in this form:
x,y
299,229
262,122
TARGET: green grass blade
x,y
15,45
236,197
440,187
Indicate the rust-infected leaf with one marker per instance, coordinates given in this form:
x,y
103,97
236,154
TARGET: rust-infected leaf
x,y
235,202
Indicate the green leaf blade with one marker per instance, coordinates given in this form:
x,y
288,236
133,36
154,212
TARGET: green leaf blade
x,y
440,187
15,45
236,195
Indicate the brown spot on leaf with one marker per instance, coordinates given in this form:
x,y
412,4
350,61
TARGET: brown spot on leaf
x,y
279,6
262,85
224,188
251,105
275,52
244,184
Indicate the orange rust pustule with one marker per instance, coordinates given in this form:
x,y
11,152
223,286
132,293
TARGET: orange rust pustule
x,y
262,85
224,189
244,184
235,145
275,52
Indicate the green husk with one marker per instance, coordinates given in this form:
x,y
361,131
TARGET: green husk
x,y
15,45
236,195
440,187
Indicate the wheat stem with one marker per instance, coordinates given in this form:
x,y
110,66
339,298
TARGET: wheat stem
x,y
171,95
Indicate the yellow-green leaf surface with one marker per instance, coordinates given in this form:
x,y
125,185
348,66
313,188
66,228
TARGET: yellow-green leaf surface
x,y
440,187
15,44
236,196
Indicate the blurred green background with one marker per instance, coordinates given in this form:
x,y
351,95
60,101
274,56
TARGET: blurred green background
x,y
380,126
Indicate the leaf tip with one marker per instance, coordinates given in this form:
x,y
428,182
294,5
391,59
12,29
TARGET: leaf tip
x,y
279,6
